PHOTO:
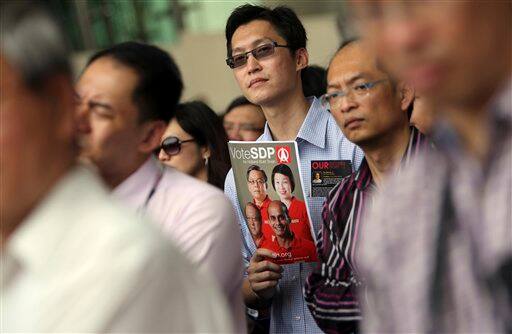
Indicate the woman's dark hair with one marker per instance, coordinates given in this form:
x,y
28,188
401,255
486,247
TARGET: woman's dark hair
x,y
201,122
283,19
285,170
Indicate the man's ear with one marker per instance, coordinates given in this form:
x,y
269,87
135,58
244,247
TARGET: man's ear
x,y
301,58
406,95
150,135
59,93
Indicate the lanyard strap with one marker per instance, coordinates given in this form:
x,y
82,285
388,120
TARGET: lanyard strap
x,y
446,226
152,191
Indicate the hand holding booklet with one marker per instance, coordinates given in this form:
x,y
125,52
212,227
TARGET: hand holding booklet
x,y
271,196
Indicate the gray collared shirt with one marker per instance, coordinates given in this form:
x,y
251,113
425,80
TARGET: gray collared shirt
x,y
400,246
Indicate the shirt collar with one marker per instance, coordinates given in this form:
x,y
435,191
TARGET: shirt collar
x,y
417,142
136,188
37,240
363,177
313,129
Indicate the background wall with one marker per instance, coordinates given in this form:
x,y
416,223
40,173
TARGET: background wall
x,y
201,58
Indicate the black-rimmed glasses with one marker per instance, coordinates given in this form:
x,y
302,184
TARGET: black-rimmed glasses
x,y
261,51
172,145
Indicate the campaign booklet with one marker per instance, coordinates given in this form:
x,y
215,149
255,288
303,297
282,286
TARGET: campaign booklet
x,y
271,196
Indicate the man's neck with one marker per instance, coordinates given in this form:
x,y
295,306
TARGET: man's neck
x,y
474,130
384,154
53,173
258,202
285,241
472,121
287,202
285,117
257,238
114,178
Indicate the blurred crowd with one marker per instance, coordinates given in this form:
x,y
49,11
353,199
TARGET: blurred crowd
x,y
119,208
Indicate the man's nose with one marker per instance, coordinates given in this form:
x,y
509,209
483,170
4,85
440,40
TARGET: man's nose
x,y
82,119
234,134
253,65
401,35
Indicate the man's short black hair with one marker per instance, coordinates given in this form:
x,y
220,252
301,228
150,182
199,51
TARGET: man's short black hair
x,y
256,168
159,88
283,19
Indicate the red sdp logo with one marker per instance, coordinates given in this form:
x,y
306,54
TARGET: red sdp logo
x,y
283,154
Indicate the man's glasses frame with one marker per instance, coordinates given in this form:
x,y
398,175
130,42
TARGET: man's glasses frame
x,y
172,145
259,52
332,99
259,181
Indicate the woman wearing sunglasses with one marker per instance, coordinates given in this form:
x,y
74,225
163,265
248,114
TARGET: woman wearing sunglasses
x,y
195,143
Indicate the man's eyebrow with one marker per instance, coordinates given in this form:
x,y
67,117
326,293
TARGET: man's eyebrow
x,y
351,79
355,77
253,44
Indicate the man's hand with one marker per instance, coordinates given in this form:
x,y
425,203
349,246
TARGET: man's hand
x,y
263,274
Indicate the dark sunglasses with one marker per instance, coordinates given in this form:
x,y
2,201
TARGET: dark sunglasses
x,y
258,53
172,145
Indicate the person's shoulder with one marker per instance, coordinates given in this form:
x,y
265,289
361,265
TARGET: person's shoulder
x,y
300,204
111,229
407,196
174,181
305,243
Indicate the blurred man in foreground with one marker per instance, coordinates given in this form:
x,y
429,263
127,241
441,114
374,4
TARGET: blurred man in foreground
x,y
130,91
444,227
72,261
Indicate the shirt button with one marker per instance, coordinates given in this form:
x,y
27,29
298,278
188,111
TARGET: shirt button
x,y
297,317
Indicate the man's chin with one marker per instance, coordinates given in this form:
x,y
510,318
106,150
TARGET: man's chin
x,y
86,161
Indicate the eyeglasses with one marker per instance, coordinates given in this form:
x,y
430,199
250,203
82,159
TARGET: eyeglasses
x,y
172,145
333,100
261,51
257,181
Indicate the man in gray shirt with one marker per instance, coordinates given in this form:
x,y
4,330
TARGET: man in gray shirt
x,y
437,248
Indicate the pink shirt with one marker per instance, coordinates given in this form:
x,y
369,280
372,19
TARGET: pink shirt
x,y
198,218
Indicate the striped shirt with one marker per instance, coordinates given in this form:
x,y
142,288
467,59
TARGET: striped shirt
x,y
330,289
319,138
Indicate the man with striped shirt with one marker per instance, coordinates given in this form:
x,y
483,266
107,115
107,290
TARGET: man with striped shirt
x,y
373,112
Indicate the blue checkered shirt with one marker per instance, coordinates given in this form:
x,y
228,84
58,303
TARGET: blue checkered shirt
x,y
319,138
